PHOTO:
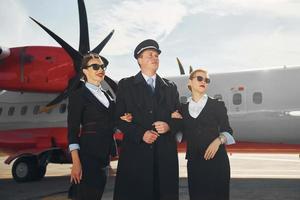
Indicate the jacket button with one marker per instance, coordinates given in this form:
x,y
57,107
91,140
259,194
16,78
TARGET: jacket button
x,y
150,111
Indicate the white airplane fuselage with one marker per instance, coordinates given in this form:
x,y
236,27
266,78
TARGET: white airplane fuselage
x,y
263,105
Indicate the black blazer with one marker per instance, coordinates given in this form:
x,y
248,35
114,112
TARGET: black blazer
x,y
200,132
96,122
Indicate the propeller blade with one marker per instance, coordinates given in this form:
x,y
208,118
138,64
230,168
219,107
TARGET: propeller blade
x,y
73,84
180,67
99,48
191,69
75,55
84,42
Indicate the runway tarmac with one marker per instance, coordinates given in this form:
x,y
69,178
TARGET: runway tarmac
x,y
254,176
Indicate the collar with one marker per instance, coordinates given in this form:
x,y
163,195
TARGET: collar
x,y
147,77
93,87
139,78
201,100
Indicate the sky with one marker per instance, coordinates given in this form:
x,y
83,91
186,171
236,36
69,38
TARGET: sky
x,y
218,35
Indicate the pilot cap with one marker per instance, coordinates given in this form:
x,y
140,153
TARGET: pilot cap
x,y
146,44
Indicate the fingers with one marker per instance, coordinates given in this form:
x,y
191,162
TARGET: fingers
x,y
176,115
161,127
150,137
76,178
76,174
126,117
210,152
212,149
155,133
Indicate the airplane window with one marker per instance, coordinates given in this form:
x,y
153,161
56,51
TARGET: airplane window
x,y
63,108
237,99
218,96
257,97
183,99
24,110
1,109
36,109
11,111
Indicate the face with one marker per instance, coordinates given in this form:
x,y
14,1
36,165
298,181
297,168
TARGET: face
x,y
198,85
94,76
149,60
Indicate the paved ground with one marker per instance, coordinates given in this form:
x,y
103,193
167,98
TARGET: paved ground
x,y
254,176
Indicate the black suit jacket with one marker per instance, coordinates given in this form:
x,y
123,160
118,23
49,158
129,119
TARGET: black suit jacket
x,y
90,123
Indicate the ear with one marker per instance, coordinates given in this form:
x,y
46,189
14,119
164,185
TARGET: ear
x,y
85,71
189,84
139,60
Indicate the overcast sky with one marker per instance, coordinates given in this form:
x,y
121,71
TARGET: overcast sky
x,y
222,35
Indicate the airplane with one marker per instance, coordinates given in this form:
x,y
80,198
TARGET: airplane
x,y
263,106
30,76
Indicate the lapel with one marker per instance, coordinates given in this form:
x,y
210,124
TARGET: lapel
x,y
141,92
206,110
160,89
89,95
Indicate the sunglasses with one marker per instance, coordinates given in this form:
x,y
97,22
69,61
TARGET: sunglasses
x,y
96,67
200,78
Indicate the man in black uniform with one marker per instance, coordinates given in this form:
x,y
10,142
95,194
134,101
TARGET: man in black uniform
x,y
148,163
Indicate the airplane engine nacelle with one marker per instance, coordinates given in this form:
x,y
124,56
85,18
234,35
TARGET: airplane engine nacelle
x,y
4,52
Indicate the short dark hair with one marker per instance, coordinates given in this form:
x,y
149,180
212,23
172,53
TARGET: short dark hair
x,y
87,57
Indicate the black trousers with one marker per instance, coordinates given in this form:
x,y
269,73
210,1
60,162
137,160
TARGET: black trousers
x,y
94,176
84,192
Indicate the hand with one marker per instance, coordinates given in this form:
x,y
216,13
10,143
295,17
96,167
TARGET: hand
x,y
212,149
176,115
150,136
161,127
76,172
126,117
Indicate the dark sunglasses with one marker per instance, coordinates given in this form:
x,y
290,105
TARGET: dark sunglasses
x,y
200,78
96,67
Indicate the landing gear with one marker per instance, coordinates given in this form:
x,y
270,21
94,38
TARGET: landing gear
x,y
27,169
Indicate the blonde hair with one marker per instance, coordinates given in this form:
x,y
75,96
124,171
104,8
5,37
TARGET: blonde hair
x,y
193,73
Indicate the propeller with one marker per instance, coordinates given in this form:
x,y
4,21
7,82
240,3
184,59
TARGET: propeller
x,y
84,48
191,69
180,67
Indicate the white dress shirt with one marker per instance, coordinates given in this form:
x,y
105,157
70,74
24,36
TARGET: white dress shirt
x,y
97,91
195,108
